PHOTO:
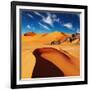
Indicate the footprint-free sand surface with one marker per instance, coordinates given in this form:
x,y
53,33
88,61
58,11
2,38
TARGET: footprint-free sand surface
x,y
65,56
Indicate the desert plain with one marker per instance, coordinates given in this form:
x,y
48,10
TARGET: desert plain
x,y
53,47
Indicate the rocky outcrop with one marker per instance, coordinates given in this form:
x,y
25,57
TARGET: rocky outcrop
x,y
29,34
70,39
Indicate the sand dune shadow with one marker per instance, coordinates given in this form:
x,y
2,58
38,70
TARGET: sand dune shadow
x,y
43,67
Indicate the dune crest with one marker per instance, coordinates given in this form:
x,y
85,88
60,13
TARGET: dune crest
x,y
45,68
63,61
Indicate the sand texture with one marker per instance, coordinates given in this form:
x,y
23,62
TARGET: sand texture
x,y
49,55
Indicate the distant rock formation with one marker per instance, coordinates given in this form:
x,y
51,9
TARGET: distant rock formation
x,y
55,42
69,39
74,37
29,34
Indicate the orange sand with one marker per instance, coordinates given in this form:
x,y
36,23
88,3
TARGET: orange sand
x,y
30,43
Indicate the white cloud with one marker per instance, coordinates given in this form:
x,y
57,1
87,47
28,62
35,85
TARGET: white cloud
x,y
37,13
48,19
44,26
68,25
28,27
57,20
30,15
54,16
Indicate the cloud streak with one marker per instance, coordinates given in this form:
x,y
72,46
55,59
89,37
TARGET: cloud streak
x,y
28,26
37,13
48,20
44,26
30,15
68,25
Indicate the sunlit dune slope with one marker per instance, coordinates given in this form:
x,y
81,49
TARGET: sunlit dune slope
x,y
54,36
48,37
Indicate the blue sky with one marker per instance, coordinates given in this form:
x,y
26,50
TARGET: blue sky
x,y
46,21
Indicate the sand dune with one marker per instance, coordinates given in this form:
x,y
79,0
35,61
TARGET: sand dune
x,y
54,36
64,58
47,37
44,67
61,59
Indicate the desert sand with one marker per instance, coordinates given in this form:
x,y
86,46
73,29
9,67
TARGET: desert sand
x,y
65,56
